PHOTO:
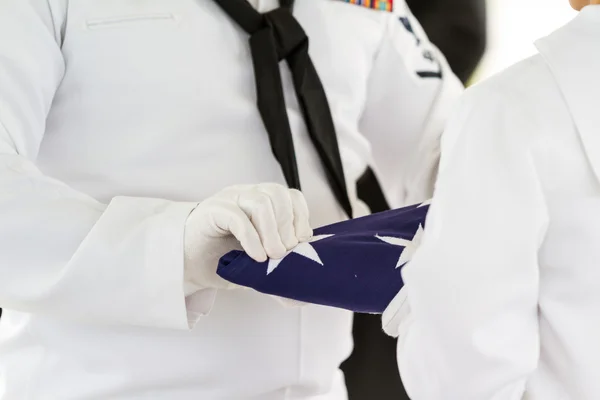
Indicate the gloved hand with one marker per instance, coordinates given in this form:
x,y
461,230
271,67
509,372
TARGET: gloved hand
x,y
264,220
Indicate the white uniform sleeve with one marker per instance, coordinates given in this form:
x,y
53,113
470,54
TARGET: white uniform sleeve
x,y
411,93
467,316
62,253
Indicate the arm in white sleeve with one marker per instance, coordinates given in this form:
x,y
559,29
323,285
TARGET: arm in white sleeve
x,y
62,253
411,93
468,325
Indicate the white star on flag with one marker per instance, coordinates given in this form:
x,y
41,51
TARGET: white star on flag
x,y
410,246
425,203
304,249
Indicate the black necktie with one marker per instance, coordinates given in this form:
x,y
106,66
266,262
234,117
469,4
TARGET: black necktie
x,y
277,36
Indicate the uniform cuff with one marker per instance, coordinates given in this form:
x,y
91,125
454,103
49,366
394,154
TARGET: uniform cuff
x,y
397,314
199,305
166,259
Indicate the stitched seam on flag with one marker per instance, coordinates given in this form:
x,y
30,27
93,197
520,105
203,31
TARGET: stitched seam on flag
x,y
398,312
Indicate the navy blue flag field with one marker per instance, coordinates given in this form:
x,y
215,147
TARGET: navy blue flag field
x,y
354,265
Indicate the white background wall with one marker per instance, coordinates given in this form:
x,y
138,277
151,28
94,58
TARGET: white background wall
x,y
513,27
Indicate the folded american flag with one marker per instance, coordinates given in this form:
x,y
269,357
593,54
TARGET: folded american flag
x,y
354,265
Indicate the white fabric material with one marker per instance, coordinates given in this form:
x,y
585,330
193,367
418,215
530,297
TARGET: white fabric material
x,y
502,301
265,220
117,117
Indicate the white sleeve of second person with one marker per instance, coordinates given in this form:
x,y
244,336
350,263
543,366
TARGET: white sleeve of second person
x,y
467,318
411,93
62,253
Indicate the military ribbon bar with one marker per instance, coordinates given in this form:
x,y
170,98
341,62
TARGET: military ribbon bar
x,y
383,5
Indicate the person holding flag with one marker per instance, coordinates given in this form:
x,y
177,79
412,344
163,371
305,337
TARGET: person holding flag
x,y
497,293
142,140
502,299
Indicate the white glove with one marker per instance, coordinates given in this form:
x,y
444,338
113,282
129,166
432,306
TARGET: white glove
x,y
265,220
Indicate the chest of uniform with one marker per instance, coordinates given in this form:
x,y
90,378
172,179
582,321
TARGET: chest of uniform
x,y
193,46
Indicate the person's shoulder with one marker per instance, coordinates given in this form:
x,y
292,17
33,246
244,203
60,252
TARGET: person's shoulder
x,y
500,106
517,106
518,84
523,94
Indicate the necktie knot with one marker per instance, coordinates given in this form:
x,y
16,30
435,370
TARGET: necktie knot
x,y
288,33
277,36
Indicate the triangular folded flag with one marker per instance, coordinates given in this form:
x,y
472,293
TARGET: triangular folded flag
x,y
354,265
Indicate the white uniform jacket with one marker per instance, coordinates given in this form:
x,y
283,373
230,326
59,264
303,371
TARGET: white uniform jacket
x,y
502,301
116,118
